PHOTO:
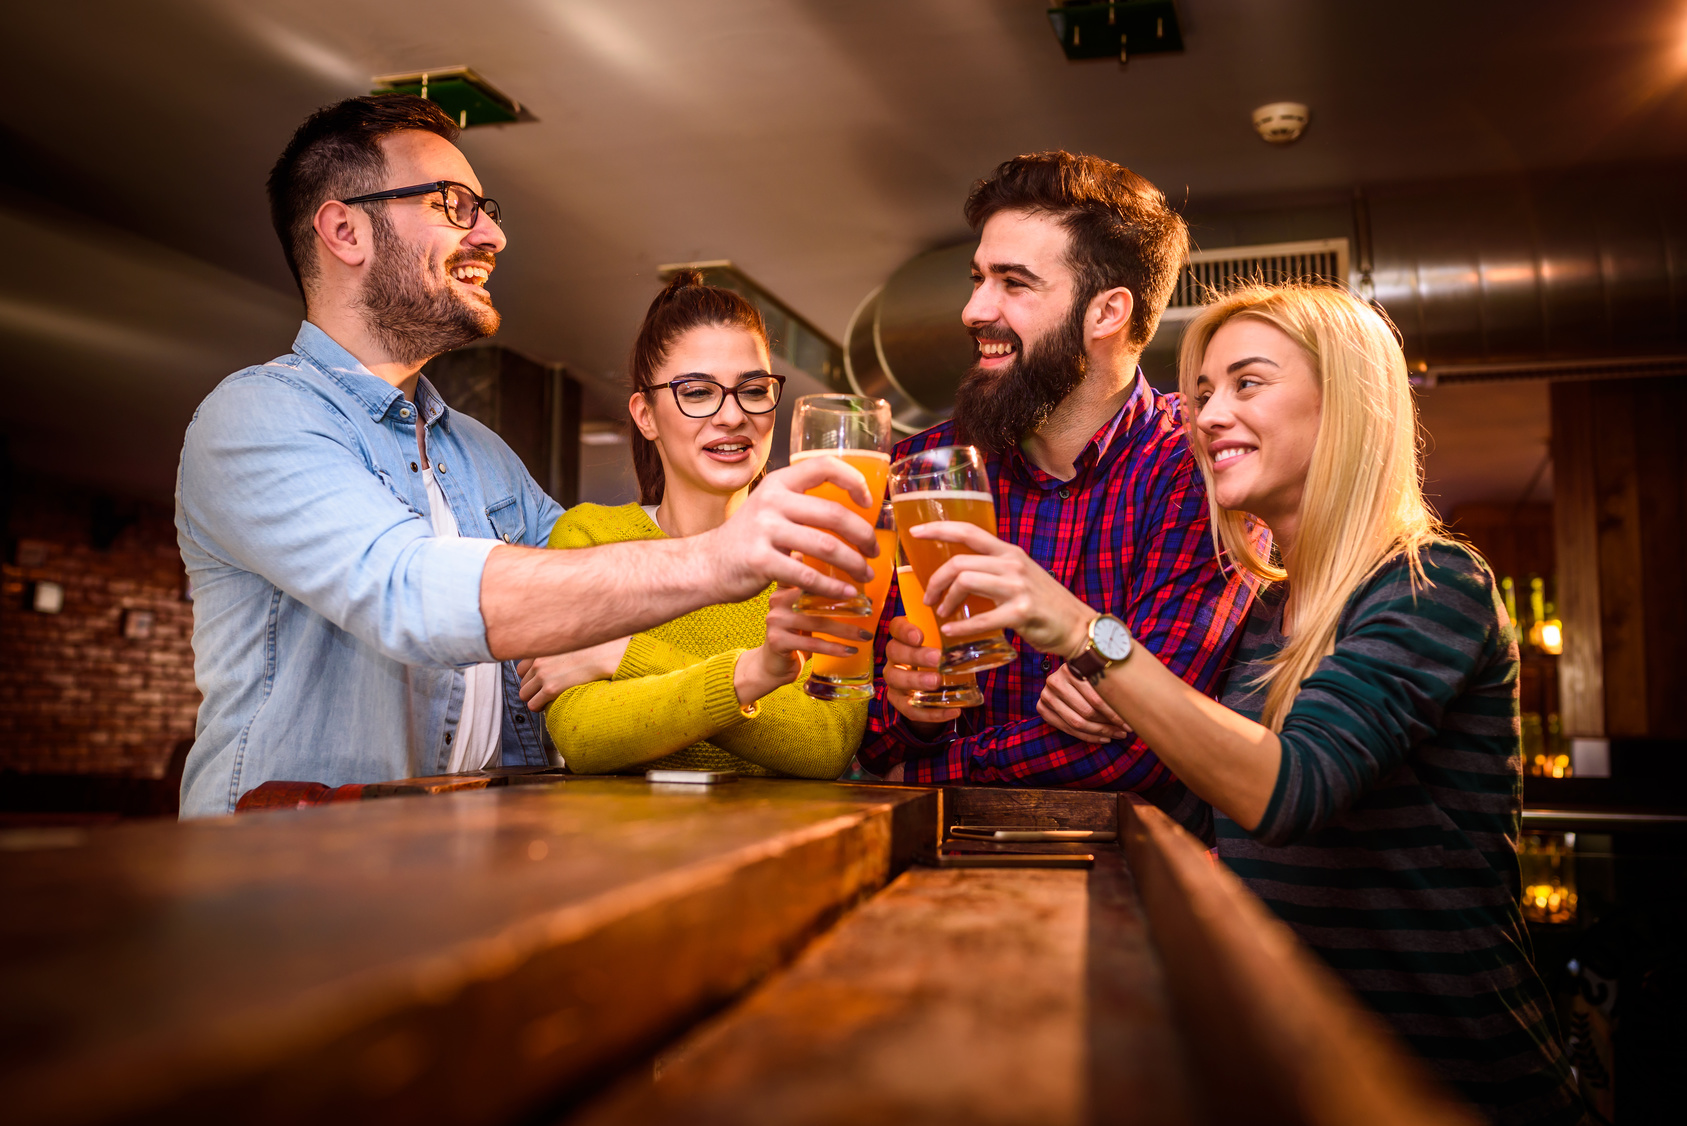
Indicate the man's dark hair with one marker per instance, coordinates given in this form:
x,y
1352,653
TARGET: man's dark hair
x,y
1123,233
337,153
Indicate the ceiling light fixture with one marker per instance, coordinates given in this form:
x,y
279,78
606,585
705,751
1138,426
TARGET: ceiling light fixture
x,y
458,91
1281,122
1119,29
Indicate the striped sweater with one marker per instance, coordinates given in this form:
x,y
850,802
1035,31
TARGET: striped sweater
x,y
1390,842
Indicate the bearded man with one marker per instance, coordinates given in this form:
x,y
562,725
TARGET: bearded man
x,y
362,558
1092,474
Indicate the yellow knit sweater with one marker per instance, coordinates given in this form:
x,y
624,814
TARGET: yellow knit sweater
x,y
671,703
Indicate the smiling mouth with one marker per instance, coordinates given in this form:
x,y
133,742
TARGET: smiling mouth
x,y
994,349
1230,454
728,451
471,273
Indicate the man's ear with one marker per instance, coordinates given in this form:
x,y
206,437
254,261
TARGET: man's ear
x,y
340,231
643,417
1109,314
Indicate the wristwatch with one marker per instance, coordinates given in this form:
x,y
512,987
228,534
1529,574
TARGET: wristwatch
x,y
1109,643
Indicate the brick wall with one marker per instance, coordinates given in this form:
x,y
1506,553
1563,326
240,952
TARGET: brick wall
x,y
76,694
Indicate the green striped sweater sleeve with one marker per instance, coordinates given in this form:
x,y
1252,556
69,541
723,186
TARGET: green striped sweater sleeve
x,y
1404,656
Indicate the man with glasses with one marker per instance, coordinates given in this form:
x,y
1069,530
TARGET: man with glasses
x,y
362,558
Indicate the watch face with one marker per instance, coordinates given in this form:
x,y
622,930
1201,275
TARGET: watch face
x,y
1112,639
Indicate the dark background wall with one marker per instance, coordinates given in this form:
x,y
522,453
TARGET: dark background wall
x,y
76,694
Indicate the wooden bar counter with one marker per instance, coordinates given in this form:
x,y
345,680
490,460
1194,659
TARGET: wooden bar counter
x,y
551,948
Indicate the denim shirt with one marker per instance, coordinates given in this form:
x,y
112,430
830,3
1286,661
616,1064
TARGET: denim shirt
x,y
330,625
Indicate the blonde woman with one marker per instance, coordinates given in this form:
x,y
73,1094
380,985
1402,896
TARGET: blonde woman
x,y
1362,772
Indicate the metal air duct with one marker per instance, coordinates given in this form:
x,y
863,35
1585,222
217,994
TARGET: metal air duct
x,y
1544,270
906,344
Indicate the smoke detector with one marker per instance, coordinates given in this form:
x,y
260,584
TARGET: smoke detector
x,y
1281,122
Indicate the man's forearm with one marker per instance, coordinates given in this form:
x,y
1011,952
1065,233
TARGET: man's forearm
x,y
539,602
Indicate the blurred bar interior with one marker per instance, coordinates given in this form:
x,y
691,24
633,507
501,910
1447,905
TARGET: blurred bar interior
x,y
1504,179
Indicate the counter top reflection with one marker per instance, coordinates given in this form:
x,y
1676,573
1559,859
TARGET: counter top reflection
x,y
400,953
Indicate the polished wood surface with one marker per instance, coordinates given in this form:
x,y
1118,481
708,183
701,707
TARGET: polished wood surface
x,y
551,948
981,997
462,957
1273,1036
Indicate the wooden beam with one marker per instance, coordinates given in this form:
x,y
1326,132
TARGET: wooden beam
x,y
1273,1035
1622,594
1581,669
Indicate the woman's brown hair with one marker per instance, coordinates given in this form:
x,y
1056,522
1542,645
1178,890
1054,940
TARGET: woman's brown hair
x,y
685,303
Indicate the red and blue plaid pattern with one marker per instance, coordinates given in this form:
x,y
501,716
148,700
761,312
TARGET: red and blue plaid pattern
x,y
1129,534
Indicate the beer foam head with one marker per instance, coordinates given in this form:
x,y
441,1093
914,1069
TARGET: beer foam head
x,y
946,494
877,454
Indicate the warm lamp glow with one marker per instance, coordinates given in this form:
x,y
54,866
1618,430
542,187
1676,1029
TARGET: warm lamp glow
x,y
1548,636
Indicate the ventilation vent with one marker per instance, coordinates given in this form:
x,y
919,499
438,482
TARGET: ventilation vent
x,y
1623,368
1211,272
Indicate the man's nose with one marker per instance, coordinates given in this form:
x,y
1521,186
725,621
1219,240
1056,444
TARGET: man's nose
x,y
980,309
487,235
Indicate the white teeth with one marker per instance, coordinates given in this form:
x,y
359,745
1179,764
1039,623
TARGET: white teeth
x,y
471,273
1232,452
997,348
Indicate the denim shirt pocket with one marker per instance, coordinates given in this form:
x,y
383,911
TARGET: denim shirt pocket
x,y
507,521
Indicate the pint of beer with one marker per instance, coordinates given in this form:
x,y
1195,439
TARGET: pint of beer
x,y
957,690
851,678
857,430
949,483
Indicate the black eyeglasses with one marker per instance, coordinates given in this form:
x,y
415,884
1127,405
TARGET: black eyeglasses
x,y
461,205
699,396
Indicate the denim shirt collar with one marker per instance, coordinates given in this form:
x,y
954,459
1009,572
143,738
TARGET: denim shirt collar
x,y
376,395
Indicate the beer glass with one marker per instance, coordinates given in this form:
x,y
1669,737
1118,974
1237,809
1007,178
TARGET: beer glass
x,y
949,483
957,690
856,429
851,678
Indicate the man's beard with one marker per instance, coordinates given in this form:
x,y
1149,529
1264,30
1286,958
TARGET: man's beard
x,y
994,410
413,322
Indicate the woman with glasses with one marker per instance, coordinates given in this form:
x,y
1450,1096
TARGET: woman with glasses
x,y
720,688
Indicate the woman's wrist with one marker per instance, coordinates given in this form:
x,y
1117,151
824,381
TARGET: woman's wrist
x,y
1078,630
752,678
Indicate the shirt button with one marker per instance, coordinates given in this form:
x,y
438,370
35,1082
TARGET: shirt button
x,y
1064,493
519,718
448,737
1048,664
412,467
442,467
404,413
506,537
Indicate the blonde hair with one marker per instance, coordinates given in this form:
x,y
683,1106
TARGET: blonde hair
x,y
1362,504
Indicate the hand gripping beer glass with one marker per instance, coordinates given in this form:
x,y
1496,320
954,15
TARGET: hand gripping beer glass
x,y
955,690
949,483
856,429
851,678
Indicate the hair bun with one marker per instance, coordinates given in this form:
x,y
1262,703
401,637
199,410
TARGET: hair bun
x,y
682,279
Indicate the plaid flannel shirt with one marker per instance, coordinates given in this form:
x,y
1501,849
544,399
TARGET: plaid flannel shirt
x,y
1130,535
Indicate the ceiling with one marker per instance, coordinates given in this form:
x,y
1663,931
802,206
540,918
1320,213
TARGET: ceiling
x,y
817,143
